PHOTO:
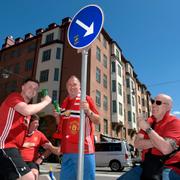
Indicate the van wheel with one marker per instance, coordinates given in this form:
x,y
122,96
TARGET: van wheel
x,y
116,166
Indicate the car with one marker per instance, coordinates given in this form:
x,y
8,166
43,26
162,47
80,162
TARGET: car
x,y
115,155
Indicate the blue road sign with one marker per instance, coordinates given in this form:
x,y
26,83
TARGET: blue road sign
x,y
85,26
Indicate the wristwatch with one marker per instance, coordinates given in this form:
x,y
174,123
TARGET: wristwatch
x,y
148,130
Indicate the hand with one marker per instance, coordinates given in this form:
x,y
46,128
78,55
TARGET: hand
x,y
143,124
38,161
47,99
85,106
47,146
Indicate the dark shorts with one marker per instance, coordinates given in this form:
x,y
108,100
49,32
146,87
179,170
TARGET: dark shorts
x,y
33,165
12,165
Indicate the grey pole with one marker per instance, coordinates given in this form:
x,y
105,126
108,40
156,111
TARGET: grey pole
x,y
82,115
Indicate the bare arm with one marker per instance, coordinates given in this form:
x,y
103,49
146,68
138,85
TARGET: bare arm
x,y
141,143
157,141
95,118
29,109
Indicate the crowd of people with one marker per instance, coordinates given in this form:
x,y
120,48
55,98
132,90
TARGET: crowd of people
x,y
20,139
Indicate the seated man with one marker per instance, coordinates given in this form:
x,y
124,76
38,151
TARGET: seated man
x,y
33,141
159,135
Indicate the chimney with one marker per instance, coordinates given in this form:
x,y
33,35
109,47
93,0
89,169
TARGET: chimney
x,y
52,25
28,36
18,40
9,41
39,31
66,20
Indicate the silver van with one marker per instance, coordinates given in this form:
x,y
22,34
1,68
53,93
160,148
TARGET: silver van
x,y
115,155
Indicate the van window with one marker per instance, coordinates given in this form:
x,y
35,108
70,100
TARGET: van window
x,y
108,147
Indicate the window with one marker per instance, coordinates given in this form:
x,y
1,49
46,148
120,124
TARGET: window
x,y
127,83
119,70
113,85
98,75
105,61
17,68
134,117
133,101
98,54
105,103
104,42
98,127
129,116
29,65
128,99
120,109
113,66
98,98
139,99
143,102
54,95
105,126
114,106
119,89
58,53
104,81
31,47
117,53
44,75
56,74
46,55
49,37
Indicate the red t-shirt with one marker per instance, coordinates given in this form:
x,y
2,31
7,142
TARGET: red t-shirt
x,y
13,125
29,150
69,126
168,127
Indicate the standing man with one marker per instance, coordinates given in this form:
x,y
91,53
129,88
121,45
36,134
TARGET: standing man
x,y
161,139
33,141
69,125
15,116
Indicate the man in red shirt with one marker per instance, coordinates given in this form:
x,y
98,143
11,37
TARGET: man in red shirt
x,y
33,141
162,139
69,132
15,116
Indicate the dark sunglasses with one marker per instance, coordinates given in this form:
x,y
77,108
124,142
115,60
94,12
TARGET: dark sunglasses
x,y
158,102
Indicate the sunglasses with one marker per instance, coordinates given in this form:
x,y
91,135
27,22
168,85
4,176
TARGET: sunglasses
x,y
158,102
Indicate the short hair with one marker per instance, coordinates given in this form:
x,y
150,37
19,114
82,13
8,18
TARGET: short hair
x,y
30,79
34,117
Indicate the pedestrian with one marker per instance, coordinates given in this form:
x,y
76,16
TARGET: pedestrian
x,y
159,136
69,124
15,116
34,140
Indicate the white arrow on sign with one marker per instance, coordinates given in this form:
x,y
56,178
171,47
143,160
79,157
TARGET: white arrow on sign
x,y
89,30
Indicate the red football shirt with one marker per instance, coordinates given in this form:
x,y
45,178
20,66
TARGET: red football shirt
x,y
13,125
29,150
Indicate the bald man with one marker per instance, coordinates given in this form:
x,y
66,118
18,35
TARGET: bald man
x,y
159,135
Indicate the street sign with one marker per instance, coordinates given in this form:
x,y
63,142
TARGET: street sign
x,y
85,26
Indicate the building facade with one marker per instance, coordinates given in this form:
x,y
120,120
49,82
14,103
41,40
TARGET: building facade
x,y
111,79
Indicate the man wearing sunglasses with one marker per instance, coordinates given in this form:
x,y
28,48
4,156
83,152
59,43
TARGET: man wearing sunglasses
x,y
158,135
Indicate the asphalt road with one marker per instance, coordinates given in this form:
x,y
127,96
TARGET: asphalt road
x,y
101,173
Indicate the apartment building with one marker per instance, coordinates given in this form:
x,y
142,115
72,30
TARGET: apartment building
x,y
111,79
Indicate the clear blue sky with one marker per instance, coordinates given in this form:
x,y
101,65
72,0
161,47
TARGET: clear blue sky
x,y
148,32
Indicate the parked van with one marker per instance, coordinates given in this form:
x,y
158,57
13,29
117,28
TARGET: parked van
x,y
115,155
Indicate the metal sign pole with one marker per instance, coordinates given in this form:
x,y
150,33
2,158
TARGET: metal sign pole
x,y
82,115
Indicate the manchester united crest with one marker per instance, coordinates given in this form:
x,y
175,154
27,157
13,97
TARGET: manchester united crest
x,y
74,127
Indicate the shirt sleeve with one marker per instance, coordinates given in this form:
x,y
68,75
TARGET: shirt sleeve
x,y
14,99
91,104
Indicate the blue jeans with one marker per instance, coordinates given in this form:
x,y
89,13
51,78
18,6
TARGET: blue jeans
x,y
135,173
69,167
